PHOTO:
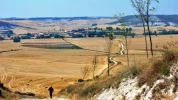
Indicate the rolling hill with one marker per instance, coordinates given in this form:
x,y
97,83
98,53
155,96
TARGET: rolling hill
x,y
7,26
155,20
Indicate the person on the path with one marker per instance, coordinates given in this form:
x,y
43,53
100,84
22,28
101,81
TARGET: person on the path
x,y
51,92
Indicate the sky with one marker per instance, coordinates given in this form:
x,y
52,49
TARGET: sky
x,y
75,8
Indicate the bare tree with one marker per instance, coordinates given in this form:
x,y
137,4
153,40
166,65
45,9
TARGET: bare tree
x,y
138,4
145,9
85,71
109,42
94,64
124,32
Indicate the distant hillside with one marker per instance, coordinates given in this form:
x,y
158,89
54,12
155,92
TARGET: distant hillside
x,y
155,20
7,26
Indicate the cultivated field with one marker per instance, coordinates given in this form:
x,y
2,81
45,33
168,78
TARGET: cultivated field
x,y
27,69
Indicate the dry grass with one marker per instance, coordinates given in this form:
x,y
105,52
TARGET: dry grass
x,y
88,89
160,66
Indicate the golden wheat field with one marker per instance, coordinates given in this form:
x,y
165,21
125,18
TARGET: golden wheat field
x,y
36,69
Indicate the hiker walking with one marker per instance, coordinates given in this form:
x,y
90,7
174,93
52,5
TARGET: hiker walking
x,y
51,92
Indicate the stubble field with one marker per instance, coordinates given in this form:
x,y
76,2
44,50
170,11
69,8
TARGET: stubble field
x,y
34,70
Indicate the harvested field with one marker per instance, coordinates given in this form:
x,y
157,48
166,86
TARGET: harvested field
x,y
50,45
36,69
27,69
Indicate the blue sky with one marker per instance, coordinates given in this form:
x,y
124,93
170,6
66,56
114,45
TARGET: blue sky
x,y
71,8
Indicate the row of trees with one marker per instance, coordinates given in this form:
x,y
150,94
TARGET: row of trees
x,y
165,32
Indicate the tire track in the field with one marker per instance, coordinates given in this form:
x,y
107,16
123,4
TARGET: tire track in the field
x,y
4,78
12,79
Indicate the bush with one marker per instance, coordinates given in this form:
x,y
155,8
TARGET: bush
x,y
30,35
1,38
89,91
43,36
80,80
58,36
25,37
94,24
165,70
16,39
131,34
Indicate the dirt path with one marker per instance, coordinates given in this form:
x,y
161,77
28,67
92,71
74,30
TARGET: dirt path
x,y
113,61
122,48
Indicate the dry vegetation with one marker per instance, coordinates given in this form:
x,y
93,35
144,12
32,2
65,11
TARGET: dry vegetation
x,y
147,73
160,66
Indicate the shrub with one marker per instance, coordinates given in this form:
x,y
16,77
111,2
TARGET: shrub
x,y
25,37
1,38
16,39
89,91
94,24
70,89
30,35
56,36
165,70
80,80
